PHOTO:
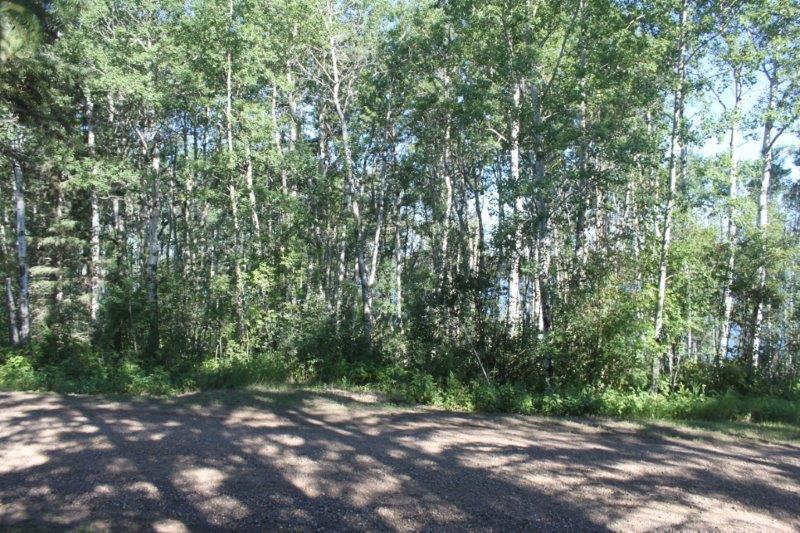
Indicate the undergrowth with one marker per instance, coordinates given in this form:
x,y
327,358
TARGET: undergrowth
x,y
93,373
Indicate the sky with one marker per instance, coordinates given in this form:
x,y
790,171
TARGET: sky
x,y
750,145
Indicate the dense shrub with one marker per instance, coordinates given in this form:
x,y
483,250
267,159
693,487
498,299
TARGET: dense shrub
x,y
682,404
91,372
239,371
17,373
88,371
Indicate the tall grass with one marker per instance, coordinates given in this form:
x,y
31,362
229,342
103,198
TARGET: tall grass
x,y
92,373
682,404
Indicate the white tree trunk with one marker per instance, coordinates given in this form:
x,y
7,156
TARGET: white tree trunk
x,y
94,241
251,193
238,289
727,295
376,238
540,264
11,306
448,208
351,190
276,133
94,244
294,130
398,273
153,246
11,310
763,221
514,301
666,235
538,307
22,250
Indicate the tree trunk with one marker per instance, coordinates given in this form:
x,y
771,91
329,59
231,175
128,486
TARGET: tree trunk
x,y
763,220
351,191
727,296
22,250
278,141
251,193
666,235
11,310
376,238
153,249
538,302
11,306
448,208
514,301
94,242
398,272
540,305
238,297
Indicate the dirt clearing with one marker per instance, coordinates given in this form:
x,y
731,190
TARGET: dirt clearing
x,y
309,460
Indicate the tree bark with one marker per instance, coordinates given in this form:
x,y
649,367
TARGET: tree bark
x,y
238,297
666,235
94,241
398,267
22,249
514,301
251,193
763,221
11,306
727,296
448,208
351,191
11,310
154,248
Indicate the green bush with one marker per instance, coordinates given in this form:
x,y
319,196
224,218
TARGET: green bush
x,y
768,409
156,381
17,373
456,396
84,370
240,371
681,404
422,388
732,406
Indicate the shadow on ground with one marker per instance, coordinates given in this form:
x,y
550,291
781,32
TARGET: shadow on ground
x,y
261,459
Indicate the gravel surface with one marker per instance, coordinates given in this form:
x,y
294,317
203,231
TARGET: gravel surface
x,y
267,460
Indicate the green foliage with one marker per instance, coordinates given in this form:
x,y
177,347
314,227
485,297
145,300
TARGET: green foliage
x,y
224,194
606,340
87,371
155,382
17,373
239,371
682,404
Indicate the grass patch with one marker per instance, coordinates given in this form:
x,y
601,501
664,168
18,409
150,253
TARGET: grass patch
x,y
770,432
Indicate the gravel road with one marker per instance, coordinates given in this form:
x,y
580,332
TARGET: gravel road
x,y
267,460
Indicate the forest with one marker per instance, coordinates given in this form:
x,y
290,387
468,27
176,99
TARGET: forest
x,y
558,206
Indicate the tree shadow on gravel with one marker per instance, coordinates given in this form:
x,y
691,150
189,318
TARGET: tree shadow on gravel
x,y
258,459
